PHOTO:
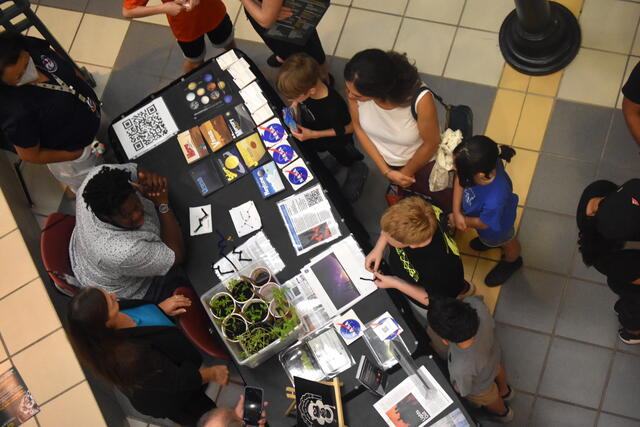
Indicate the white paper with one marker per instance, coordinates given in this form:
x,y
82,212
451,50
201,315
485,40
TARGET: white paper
x,y
455,419
386,327
253,97
226,59
297,174
145,128
419,404
308,219
241,73
262,114
343,261
257,247
246,218
200,220
349,326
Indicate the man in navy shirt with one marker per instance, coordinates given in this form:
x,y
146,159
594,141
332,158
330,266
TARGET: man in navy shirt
x,y
48,112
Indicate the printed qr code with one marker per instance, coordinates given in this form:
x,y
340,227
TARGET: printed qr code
x,y
314,196
295,291
145,127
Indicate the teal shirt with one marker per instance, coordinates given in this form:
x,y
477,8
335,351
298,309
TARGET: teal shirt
x,y
148,315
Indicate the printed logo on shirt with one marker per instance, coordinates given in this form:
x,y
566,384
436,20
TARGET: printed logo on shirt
x,y
634,201
92,105
48,64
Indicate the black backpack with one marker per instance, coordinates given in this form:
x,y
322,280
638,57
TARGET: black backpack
x,y
459,117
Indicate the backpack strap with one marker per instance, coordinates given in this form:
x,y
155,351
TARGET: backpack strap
x,y
414,100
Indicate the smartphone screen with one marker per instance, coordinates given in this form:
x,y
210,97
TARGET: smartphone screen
x,y
252,405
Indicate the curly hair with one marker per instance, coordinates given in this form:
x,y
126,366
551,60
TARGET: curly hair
x,y
107,190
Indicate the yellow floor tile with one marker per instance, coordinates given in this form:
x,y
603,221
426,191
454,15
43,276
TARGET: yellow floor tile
x,y
16,264
98,40
512,79
63,24
545,85
7,223
30,309
78,401
469,265
490,294
519,211
521,170
31,422
492,254
161,19
533,122
49,366
504,116
574,6
463,238
3,354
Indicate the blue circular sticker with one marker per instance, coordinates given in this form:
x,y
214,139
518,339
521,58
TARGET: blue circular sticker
x,y
207,77
298,175
273,133
283,154
350,329
228,99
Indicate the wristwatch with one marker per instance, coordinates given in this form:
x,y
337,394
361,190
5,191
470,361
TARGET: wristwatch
x,y
163,208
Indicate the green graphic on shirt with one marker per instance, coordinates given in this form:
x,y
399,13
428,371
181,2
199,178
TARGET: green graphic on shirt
x,y
406,264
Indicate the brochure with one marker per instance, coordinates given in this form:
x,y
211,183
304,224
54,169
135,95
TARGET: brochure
x,y
268,180
297,29
206,178
16,403
216,132
252,151
239,121
257,247
371,376
192,145
231,165
316,404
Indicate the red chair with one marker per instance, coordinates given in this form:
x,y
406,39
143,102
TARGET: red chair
x,y
54,250
196,326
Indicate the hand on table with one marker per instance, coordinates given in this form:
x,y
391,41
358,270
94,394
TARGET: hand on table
x,y
153,186
239,411
399,178
303,133
175,305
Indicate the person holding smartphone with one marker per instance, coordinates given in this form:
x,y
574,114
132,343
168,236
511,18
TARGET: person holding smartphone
x,y
226,417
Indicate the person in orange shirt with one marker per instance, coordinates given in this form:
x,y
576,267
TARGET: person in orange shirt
x,y
189,20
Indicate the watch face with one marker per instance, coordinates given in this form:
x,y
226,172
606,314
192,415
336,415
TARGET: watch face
x,y
163,208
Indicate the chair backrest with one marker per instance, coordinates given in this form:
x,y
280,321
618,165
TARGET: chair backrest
x,y
196,326
54,250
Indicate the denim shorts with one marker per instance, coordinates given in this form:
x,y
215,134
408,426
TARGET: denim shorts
x,y
496,243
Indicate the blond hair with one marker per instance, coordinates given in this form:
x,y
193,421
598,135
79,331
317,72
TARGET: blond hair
x,y
298,74
411,221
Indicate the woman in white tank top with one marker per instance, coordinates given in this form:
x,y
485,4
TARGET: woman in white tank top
x,y
381,86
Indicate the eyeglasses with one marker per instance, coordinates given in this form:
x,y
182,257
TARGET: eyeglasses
x,y
201,220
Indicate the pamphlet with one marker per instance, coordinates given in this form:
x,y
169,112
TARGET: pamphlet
x,y
231,165
252,150
240,70
192,145
349,326
371,376
216,132
226,59
145,128
308,219
16,403
297,29
246,218
257,247
262,114
239,121
412,402
316,404
297,174
200,220
268,180
206,177
253,96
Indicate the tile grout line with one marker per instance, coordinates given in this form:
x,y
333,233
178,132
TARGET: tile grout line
x,y
30,281
453,41
42,338
84,380
402,18
606,384
344,24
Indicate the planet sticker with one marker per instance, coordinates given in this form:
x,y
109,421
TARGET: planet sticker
x,y
204,100
231,162
222,84
191,96
350,329
194,105
207,77
192,86
211,86
298,175
272,133
200,91
282,154
227,98
214,95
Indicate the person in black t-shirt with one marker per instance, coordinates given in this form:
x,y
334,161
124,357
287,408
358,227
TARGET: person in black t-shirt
x,y
600,216
48,112
425,262
322,115
631,103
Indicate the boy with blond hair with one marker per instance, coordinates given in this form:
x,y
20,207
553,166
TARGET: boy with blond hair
x,y
323,119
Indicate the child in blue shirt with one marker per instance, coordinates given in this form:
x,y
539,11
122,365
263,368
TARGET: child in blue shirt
x,y
483,199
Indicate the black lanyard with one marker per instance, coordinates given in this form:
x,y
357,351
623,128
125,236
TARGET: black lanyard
x,y
63,87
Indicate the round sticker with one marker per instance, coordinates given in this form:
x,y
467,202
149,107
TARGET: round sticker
x,y
207,77
48,63
194,105
215,95
191,96
282,154
204,100
227,98
273,133
350,329
221,84
231,162
211,86
200,91
298,175
192,86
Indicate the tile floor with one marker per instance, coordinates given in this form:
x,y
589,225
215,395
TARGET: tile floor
x,y
555,317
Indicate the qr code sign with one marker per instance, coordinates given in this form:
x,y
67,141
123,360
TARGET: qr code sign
x,y
145,127
313,197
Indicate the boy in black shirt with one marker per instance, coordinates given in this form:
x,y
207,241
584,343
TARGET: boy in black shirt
x,y
323,119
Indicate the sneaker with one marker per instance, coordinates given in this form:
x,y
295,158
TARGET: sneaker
x,y
272,61
505,418
477,245
502,272
510,394
628,338
356,178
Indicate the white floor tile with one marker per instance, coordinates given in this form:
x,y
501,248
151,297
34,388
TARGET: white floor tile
x,y
341,2
63,24
100,75
244,30
99,40
430,53
357,34
609,24
635,50
447,11
475,57
631,63
594,77
330,27
233,7
486,15
160,19
386,6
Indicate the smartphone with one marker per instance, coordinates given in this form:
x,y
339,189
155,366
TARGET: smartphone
x,y
288,117
252,405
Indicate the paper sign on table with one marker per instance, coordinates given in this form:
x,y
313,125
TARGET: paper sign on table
x,y
349,326
200,220
386,327
262,114
226,59
245,218
297,174
253,97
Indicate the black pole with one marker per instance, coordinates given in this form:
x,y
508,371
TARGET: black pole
x,y
539,37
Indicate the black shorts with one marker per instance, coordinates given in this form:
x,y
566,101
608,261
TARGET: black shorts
x,y
283,49
219,36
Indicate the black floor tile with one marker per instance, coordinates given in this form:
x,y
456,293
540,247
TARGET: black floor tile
x,y
617,174
78,5
110,8
523,354
621,149
622,390
530,299
558,183
548,413
575,372
577,130
548,240
581,271
586,314
608,420
145,49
